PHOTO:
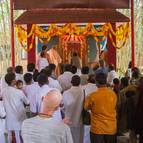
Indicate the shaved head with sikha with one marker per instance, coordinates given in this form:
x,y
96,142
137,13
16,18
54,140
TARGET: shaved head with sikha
x,y
51,102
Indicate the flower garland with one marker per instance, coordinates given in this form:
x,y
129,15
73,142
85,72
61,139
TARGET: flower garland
x,y
122,35
99,33
22,37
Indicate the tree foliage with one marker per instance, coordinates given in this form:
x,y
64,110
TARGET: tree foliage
x,y
124,55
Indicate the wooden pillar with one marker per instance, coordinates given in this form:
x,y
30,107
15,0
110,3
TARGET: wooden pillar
x,y
111,56
133,34
31,53
12,34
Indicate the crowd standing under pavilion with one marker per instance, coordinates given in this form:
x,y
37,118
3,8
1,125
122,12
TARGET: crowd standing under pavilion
x,y
43,106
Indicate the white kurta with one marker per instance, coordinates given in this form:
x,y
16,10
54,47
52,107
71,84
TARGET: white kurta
x,y
40,130
111,76
73,104
2,115
53,83
3,84
65,80
41,93
14,100
78,72
31,91
42,63
2,122
88,88
19,77
84,79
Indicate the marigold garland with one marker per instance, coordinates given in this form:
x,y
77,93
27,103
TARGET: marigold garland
x,y
121,33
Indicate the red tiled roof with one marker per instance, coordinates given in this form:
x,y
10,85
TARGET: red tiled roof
x,y
70,16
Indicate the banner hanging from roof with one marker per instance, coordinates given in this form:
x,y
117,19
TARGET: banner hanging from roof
x,y
99,33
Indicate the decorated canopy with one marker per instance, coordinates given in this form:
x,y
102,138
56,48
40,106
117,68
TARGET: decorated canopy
x,y
71,11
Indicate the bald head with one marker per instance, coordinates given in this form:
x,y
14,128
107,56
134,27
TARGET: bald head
x,y
51,101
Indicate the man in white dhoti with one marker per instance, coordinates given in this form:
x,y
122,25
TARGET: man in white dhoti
x,y
73,104
43,91
2,121
43,128
14,100
65,78
30,90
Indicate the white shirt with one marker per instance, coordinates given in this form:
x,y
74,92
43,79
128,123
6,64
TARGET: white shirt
x,y
78,72
41,93
3,84
2,115
65,80
73,104
89,88
53,83
14,100
84,79
111,76
42,63
19,77
31,91
42,130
